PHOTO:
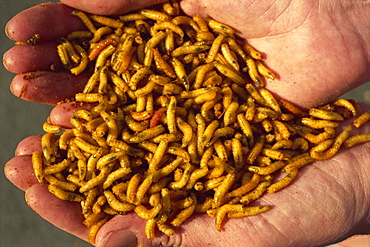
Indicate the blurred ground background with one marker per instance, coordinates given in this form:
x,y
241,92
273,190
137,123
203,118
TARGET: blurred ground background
x,y
19,225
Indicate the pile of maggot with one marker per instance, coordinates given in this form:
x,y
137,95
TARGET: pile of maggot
x,y
176,125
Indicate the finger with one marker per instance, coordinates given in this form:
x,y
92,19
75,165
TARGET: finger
x,y
65,215
61,114
19,171
22,58
355,241
47,87
28,145
122,230
49,20
114,7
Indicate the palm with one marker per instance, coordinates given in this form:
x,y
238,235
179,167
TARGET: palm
x,y
310,44
314,46
314,203
316,209
301,52
308,213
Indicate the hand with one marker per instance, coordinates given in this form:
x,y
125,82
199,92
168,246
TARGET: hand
x,y
323,206
314,47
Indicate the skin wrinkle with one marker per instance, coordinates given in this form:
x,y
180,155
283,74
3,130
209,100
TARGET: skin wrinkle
x,y
305,41
270,240
302,205
248,222
350,215
330,36
284,16
366,224
357,186
268,34
196,228
312,238
266,15
297,223
355,29
180,236
315,189
292,23
344,14
287,237
363,178
263,227
260,233
257,230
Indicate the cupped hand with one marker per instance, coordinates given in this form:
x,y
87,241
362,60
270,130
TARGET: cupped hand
x,y
327,202
318,51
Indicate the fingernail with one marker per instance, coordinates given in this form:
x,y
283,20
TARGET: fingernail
x,y
124,238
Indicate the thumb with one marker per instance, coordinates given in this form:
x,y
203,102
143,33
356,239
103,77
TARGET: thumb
x,y
129,230
122,230
124,237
